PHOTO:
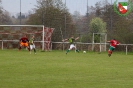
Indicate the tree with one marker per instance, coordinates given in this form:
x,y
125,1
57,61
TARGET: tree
x,y
97,25
4,16
118,27
52,13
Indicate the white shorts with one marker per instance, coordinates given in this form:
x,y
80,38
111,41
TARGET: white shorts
x,y
72,46
32,46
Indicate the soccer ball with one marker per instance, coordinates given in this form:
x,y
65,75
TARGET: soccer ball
x,y
84,51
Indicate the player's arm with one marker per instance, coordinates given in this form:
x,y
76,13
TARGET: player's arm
x,y
65,40
20,40
108,41
27,40
118,43
77,38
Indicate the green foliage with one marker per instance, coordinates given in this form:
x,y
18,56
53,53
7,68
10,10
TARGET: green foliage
x,y
122,30
118,27
97,38
57,70
97,25
52,13
86,38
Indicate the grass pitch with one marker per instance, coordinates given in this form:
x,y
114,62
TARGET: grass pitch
x,y
19,69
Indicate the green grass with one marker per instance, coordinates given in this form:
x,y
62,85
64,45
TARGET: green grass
x,y
19,69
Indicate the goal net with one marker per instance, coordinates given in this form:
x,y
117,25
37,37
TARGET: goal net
x,y
10,35
99,40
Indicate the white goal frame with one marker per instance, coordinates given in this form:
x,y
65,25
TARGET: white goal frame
x,y
105,39
27,26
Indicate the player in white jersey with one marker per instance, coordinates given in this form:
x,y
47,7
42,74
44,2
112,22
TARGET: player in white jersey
x,y
32,44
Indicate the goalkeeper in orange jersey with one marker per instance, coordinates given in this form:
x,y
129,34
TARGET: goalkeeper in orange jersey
x,y
24,42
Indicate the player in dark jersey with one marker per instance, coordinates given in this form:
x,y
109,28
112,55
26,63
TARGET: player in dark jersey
x,y
72,45
24,42
113,44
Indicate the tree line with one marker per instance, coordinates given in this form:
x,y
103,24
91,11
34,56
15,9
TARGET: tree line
x,y
98,19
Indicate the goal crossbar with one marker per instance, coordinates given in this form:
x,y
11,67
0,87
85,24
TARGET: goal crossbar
x,y
22,25
28,26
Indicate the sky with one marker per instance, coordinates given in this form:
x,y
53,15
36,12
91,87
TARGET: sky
x,y
13,6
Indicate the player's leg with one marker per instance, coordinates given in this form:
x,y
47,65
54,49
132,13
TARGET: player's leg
x,y
110,51
67,50
76,49
31,47
20,46
28,48
26,44
34,49
70,48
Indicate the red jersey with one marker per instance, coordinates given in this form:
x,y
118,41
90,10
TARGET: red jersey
x,y
24,40
114,43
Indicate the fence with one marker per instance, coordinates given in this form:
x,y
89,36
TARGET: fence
x,y
97,47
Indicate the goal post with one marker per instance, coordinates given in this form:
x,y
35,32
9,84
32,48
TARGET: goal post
x,y
6,30
101,40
